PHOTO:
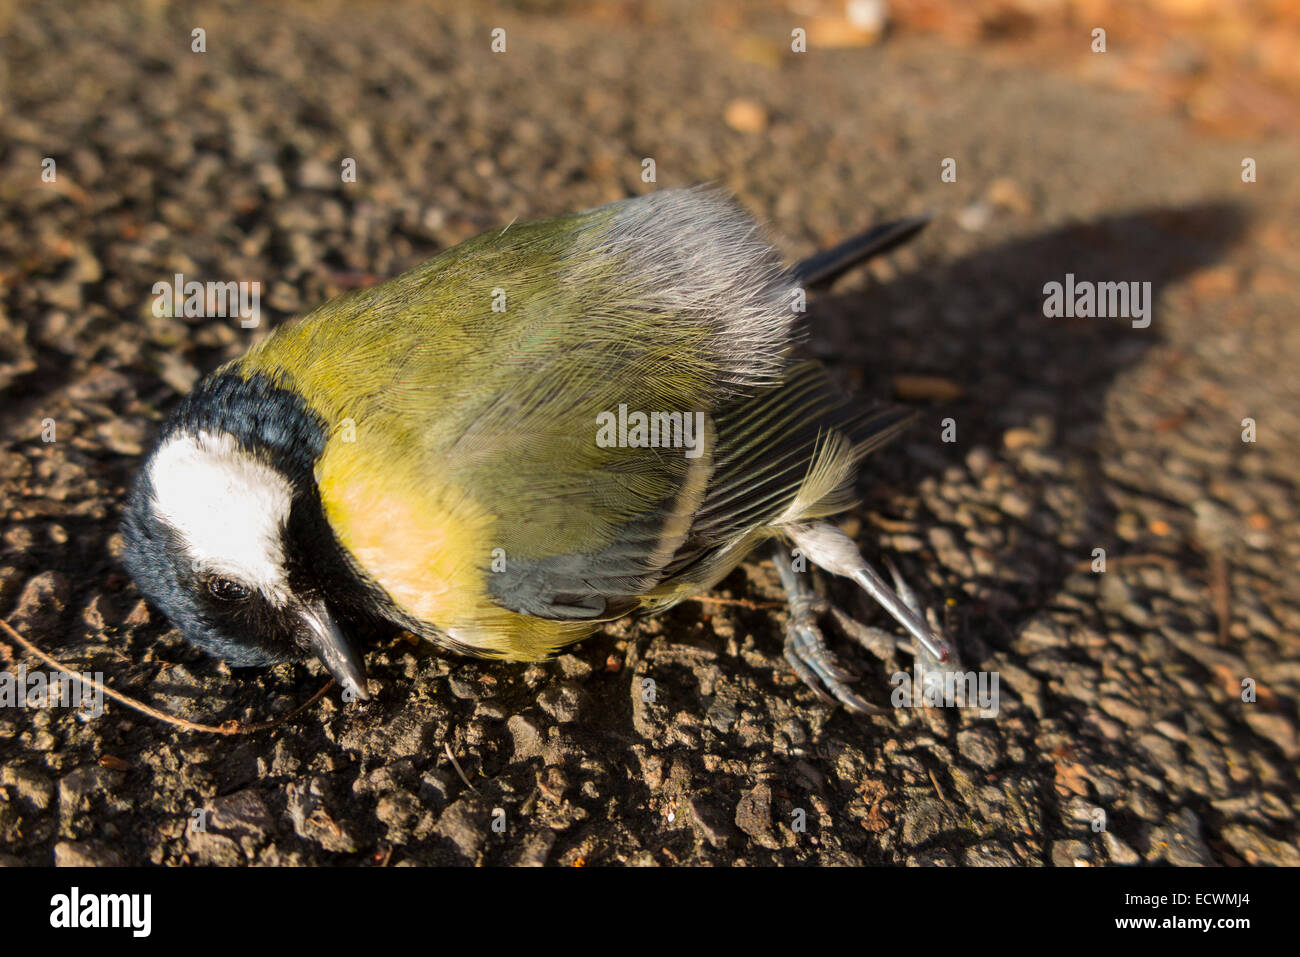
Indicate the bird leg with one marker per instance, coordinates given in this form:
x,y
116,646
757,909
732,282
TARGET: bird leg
x,y
827,547
882,643
805,648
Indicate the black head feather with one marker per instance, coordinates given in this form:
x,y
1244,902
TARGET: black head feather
x,y
244,629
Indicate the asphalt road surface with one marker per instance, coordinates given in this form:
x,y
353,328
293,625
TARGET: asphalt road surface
x,y
1146,713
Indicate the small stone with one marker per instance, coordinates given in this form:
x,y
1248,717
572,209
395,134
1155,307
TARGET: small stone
x,y
1015,439
436,786
397,809
1277,728
536,849
85,854
99,614
721,714
218,850
1180,841
527,737
41,604
754,815
1006,193
1022,684
571,666
978,746
1121,710
944,543
1256,848
988,855
31,786
465,824
979,461
79,788
905,543
311,818
561,701
1043,631
1071,854
315,174
465,686
709,822
935,857
122,436
975,217
1118,851
924,818
138,616
1014,504
241,813
745,116
870,16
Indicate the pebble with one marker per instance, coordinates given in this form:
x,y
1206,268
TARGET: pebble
x,y
754,815
1180,842
309,810
527,737
710,823
28,785
85,854
1118,851
1071,854
988,855
979,746
41,603
562,701
242,813
1257,848
1276,728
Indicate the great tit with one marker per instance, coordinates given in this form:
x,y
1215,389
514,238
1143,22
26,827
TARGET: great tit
x,y
547,427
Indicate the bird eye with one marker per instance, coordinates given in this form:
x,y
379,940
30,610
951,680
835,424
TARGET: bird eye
x,y
227,589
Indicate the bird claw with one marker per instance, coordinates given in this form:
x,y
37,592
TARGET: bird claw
x,y
876,640
816,665
915,649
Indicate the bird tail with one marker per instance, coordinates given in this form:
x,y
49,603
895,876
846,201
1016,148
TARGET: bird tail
x,y
821,269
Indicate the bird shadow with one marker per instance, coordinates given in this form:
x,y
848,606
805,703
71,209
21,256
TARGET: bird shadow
x,y
978,327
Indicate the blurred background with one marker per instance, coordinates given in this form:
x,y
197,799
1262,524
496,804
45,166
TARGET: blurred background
x,y
145,139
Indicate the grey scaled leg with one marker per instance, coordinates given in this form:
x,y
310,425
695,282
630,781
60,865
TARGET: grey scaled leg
x,y
805,648
882,643
826,546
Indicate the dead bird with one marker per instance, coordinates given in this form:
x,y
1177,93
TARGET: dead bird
x,y
540,430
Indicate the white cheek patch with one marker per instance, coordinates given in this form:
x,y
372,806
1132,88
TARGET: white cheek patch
x,y
228,507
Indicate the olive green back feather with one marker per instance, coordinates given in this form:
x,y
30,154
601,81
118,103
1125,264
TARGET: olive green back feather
x,y
490,363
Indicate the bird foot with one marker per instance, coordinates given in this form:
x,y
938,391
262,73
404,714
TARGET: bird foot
x,y
813,661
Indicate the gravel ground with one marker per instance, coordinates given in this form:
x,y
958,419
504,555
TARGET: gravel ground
x,y
1120,691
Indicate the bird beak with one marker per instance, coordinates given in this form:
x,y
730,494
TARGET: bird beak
x,y
332,647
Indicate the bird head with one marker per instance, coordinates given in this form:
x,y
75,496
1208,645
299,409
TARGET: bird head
x,y
217,537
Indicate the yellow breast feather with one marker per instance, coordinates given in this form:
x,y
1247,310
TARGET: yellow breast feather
x,y
429,546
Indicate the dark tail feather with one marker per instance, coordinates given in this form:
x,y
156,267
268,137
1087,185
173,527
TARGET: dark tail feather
x,y
821,269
